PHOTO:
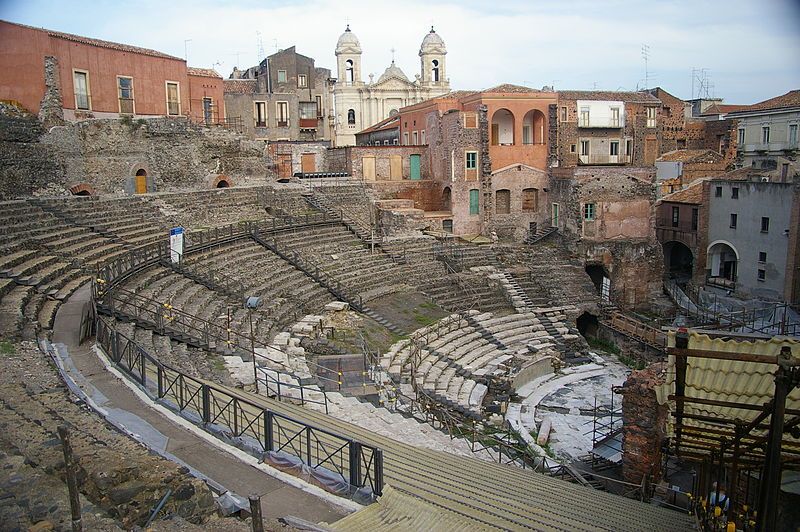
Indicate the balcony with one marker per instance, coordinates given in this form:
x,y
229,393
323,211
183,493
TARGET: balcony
x,y
603,122
597,158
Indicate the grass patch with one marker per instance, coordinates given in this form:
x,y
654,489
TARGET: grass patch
x,y
6,347
605,345
632,362
423,319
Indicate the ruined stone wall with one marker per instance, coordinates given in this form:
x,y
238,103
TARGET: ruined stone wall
x,y
644,424
106,154
636,269
296,150
426,194
515,224
337,160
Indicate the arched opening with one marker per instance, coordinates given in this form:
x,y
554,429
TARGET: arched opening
x,y
141,181
587,325
502,128
722,263
351,116
600,279
222,182
83,189
435,70
446,199
678,261
348,71
533,127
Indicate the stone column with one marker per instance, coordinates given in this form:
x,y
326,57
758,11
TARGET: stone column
x,y
644,424
51,110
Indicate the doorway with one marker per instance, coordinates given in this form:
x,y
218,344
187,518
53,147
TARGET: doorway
x,y
368,168
414,161
308,163
141,181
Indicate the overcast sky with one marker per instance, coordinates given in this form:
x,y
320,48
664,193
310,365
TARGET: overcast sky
x,y
751,49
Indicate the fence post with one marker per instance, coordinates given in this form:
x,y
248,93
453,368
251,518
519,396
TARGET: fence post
x,y
72,481
255,513
142,368
355,463
160,382
308,445
378,469
269,436
206,404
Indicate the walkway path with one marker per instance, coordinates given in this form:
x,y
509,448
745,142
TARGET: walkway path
x,y
278,498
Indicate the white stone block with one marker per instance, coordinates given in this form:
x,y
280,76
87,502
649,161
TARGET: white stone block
x,y
337,306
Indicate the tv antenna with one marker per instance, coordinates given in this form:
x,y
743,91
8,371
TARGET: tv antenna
x,y
260,43
646,57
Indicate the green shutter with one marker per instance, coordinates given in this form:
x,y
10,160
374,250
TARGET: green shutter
x,y
473,201
415,172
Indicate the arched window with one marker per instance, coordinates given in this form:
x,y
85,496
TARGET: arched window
x,y
348,72
446,198
351,116
435,70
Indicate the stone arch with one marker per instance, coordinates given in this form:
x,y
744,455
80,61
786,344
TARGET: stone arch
x,y
722,260
83,189
678,260
222,181
588,325
534,127
601,279
447,196
502,128
141,178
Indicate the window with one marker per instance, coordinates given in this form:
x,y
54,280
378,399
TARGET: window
x,y
676,214
762,256
584,147
473,201
588,212
405,138
283,114
628,147
173,98
651,116
351,116
762,275
385,142
302,80
125,94
526,135
695,217
784,170
503,201
319,106
349,77
765,224
614,117
423,137
530,200
472,160
614,148
584,122
735,192
741,136
792,133
261,114
281,76
395,141
470,120
435,70
83,100
718,192
414,137
308,110
208,109
733,220
563,113
572,148
765,135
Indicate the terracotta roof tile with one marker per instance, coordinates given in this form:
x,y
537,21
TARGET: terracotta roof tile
x,y
239,86
102,44
624,96
686,156
386,123
693,194
205,72
455,95
508,87
724,108
790,99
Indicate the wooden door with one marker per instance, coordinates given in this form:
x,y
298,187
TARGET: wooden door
x,y
141,184
495,134
308,163
415,170
395,167
284,165
368,168
650,151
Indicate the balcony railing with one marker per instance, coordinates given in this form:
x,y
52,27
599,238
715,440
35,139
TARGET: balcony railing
x,y
601,122
308,123
680,225
597,158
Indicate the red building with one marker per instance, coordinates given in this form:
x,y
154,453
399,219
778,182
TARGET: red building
x,y
102,79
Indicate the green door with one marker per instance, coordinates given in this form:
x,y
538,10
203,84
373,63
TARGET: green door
x,y
473,201
415,172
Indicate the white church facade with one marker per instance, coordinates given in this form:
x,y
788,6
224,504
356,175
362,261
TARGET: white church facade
x,y
360,104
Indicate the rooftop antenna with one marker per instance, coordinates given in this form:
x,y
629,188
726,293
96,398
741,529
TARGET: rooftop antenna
x,y
646,56
260,43
237,54
393,51
594,86
275,44
186,49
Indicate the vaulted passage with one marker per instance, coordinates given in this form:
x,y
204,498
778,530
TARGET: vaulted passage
x,y
587,325
678,261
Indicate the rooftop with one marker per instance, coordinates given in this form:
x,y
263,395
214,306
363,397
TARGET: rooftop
x,y
509,87
386,123
693,194
784,101
691,156
724,108
624,96
205,72
239,86
100,43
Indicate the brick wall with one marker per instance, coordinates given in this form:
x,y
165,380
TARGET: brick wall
x,y
383,155
644,425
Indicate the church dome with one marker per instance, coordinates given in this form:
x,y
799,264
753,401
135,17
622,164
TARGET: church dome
x,y
348,39
392,71
432,41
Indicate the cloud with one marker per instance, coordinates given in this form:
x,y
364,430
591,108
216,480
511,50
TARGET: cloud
x,y
752,49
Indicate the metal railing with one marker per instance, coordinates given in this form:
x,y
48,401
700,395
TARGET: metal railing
x,y
219,409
